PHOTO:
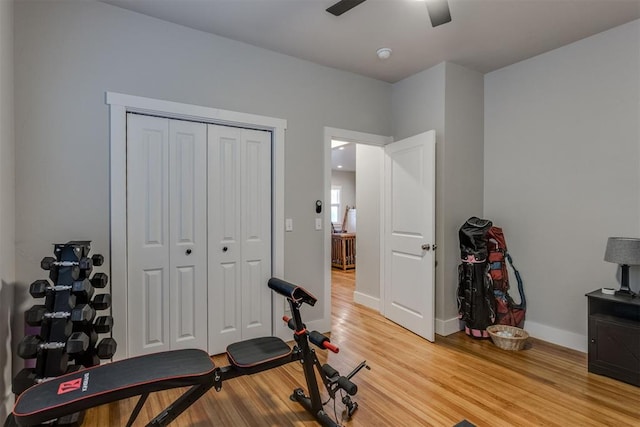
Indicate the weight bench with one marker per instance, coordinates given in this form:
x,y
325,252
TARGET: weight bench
x,y
140,376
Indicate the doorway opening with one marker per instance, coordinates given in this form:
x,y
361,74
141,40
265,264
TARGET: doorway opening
x,y
395,199
354,222
343,216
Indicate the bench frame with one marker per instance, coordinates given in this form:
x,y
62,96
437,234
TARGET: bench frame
x,y
201,378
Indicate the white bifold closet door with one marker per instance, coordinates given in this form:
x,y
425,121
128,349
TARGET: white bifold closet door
x,y
166,234
239,210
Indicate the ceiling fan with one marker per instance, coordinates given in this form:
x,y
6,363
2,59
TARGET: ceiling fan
x,y
438,10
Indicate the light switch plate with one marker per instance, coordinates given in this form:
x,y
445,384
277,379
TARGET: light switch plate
x,y
318,223
288,224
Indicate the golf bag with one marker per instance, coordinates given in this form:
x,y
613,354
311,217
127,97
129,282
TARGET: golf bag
x,y
507,311
483,279
476,302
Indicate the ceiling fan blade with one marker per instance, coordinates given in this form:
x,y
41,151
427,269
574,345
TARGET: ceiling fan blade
x,y
342,6
438,12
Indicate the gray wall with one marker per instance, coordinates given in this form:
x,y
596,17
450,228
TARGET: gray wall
x,y
463,166
417,103
449,99
562,170
369,167
68,53
7,204
418,106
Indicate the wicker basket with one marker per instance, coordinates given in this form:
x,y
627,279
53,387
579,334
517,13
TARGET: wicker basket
x,y
508,337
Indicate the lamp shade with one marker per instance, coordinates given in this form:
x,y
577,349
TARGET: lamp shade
x,y
623,250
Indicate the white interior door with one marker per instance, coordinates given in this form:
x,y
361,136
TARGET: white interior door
x,y
409,297
239,209
166,225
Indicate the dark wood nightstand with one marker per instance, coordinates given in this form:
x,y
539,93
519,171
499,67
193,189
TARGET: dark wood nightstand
x,y
614,336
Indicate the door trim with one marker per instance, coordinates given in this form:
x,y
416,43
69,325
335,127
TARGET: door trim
x,y
119,106
359,138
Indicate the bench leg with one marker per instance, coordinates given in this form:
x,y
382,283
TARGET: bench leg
x,y
172,411
136,410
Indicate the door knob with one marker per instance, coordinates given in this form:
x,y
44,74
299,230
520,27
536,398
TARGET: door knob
x,y
426,247
188,252
225,249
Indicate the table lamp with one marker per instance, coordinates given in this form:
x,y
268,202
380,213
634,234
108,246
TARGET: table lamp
x,y
624,251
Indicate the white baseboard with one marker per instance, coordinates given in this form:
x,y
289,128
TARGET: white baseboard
x,y
366,300
556,336
448,327
537,330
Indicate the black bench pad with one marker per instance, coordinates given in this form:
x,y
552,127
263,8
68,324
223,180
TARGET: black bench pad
x,y
114,381
258,354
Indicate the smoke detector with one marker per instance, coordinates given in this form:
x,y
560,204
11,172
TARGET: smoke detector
x,y
384,53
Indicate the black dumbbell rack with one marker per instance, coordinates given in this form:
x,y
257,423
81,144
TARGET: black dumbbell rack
x,y
69,327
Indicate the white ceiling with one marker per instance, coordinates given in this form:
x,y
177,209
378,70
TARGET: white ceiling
x,y
343,158
484,35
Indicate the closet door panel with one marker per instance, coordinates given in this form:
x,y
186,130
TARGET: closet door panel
x,y
227,172
148,234
256,232
224,212
151,306
188,230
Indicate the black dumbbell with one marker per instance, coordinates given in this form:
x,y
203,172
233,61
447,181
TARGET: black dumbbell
x,y
38,289
101,302
30,345
78,269
35,315
83,289
83,314
23,380
88,359
103,324
56,362
78,343
47,262
106,348
83,264
73,368
93,338
99,280
97,260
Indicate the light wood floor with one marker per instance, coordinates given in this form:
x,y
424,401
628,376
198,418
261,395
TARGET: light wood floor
x,y
413,383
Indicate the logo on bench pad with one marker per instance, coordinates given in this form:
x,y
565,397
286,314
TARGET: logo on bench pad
x,y
68,386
